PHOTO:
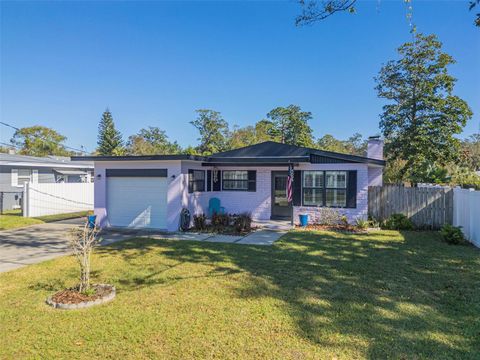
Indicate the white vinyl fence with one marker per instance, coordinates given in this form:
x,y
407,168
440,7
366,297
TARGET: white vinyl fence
x,y
56,198
466,213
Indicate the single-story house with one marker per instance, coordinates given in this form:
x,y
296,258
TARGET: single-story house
x,y
150,191
16,170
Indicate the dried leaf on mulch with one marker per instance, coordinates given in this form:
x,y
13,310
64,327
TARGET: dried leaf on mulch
x,y
72,296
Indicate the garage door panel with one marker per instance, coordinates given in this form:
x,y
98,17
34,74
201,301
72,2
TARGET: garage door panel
x,y
137,202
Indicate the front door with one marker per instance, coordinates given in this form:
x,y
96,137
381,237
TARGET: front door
x,y
281,208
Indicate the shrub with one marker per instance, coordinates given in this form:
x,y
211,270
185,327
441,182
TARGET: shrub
x,y
344,221
220,221
200,222
362,224
398,222
374,223
243,222
452,234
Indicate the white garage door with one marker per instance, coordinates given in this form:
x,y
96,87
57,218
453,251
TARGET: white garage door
x,y
137,202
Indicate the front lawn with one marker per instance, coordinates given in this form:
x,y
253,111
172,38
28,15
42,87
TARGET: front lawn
x,y
14,219
320,295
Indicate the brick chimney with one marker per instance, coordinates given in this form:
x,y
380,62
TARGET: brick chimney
x,y
375,147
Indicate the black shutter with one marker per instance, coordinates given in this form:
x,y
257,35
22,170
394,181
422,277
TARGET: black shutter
x,y
217,184
190,181
252,180
352,189
209,180
297,188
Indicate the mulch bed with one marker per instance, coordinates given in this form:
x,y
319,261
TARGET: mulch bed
x,y
339,228
72,296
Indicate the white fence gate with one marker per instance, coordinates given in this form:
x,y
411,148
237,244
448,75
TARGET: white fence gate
x,y
466,213
56,198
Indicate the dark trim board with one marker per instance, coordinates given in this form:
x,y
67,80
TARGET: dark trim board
x,y
136,173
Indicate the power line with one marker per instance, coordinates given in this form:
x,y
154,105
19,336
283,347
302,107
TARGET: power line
x,y
65,146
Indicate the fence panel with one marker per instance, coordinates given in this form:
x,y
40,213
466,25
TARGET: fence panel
x,y
56,198
467,213
426,207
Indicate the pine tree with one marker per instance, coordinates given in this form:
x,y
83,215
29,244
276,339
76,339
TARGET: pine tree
x,y
109,139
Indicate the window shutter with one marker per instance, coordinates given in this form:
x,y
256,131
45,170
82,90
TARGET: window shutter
x,y
217,184
35,176
252,180
190,181
14,177
209,180
297,188
352,189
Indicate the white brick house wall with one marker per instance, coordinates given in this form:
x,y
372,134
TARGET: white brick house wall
x,y
258,203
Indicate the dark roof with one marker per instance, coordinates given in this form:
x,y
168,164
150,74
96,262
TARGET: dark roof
x,y
268,152
139,158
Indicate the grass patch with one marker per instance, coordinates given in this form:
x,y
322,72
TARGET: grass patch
x,y
13,219
312,295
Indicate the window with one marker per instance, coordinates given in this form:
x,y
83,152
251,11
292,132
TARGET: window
x,y
325,188
336,188
241,180
313,188
24,176
196,180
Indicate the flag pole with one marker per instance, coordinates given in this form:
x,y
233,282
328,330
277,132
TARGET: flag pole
x,y
291,201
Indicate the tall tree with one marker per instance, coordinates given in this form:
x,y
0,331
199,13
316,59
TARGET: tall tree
x,y
290,125
264,131
213,131
470,152
354,145
318,10
151,141
330,143
109,138
39,141
250,135
423,115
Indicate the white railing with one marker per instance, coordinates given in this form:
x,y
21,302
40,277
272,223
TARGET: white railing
x,y
466,213
56,198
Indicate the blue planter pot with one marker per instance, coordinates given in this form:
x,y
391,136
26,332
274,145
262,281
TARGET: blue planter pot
x,y
91,221
303,219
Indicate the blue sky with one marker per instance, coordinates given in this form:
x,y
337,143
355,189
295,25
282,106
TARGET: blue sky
x,y
154,63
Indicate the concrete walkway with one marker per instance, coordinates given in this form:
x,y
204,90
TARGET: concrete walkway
x,y
37,243
259,237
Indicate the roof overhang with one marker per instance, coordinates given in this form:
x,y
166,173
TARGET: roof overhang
x,y
70,172
49,165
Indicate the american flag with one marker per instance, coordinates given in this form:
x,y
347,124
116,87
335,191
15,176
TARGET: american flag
x,y
289,183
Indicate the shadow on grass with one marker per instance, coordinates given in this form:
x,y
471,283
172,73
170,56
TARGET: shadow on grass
x,y
396,295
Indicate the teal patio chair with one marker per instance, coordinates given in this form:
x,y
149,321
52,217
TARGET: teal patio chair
x,y
214,207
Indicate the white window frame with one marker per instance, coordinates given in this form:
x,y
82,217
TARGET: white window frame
x,y
33,177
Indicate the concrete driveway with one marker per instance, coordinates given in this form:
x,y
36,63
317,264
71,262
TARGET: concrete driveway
x,y
33,244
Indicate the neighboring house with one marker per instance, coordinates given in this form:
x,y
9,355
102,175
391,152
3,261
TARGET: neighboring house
x,y
150,191
16,170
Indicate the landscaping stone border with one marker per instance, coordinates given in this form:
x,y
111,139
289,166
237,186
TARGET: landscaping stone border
x,y
84,304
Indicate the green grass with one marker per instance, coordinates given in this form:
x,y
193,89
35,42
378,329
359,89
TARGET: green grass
x,y
13,219
313,295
